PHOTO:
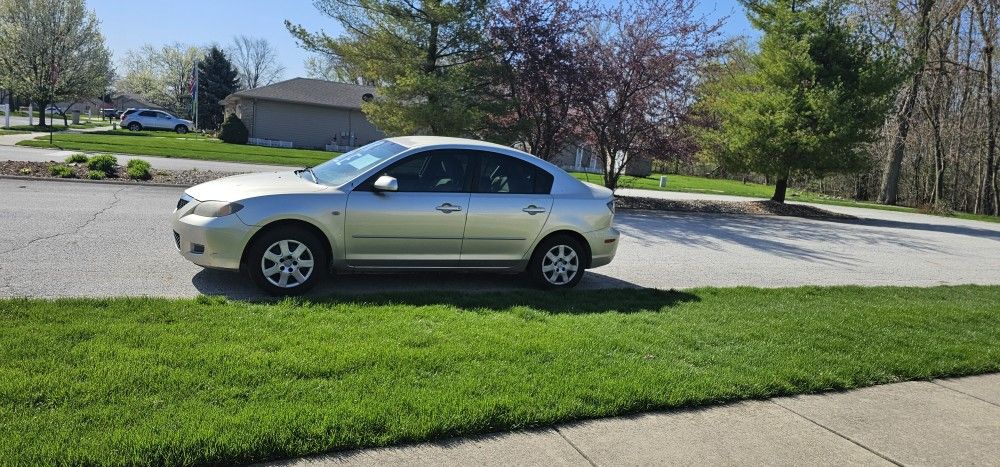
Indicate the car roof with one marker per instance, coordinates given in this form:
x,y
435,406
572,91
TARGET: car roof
x,y
423,141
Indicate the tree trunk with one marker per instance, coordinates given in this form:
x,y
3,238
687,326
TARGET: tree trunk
x,y
41,113
987,192
890,178
779,190
889,193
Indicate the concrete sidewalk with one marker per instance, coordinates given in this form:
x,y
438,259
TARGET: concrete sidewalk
x,y
940,422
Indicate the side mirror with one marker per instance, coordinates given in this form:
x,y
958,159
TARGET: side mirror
x,y
386,183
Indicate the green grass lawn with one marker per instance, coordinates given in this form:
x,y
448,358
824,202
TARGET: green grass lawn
x,y
161,381
188,146
4,131
692,184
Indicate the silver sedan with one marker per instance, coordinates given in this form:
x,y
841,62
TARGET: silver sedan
x,y
401,204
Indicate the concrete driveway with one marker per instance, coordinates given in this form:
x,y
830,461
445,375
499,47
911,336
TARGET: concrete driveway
x,y
79,239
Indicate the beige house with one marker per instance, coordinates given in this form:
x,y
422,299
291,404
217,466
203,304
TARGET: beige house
x,y
123,102
581,158
90,106
305,113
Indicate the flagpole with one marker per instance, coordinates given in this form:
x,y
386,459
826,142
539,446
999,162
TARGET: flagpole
x,y
194,98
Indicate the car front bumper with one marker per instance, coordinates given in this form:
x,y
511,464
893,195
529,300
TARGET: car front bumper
x,y
211,242
603,245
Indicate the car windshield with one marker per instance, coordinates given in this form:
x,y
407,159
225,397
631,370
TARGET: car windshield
x,y
345,168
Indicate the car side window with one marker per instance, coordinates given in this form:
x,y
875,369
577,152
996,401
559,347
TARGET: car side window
x,y
163,115
147,113
504,174
431,171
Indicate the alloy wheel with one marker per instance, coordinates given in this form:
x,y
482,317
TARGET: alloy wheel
x,y
287,263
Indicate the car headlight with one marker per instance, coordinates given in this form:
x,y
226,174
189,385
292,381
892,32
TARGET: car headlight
x,y
216,208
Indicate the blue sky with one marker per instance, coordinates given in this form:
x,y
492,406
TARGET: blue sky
x,y
203,22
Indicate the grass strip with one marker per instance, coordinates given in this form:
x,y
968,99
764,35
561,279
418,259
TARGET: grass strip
x,y
191,147
192,381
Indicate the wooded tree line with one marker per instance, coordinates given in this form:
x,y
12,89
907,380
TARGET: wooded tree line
x,y
938,148
935,144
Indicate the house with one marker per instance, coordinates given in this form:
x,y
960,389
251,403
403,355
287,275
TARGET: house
x,y
90,106
582,158
305,113
129,100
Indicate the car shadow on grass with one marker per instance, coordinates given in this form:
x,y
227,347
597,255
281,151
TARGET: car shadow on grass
x,y
596,293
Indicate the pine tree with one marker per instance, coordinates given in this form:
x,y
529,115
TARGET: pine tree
x,y
428,59
811,98
217,78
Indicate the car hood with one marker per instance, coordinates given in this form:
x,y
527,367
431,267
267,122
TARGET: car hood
x,y
252,185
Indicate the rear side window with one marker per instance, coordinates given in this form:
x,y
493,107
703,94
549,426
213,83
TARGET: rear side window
x,y
504,174
147,113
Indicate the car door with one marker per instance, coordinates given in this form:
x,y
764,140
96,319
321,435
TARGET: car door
x,y
164,121
419,225
146,118
509,206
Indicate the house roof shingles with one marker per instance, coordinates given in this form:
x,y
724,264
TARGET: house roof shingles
x,y
309,91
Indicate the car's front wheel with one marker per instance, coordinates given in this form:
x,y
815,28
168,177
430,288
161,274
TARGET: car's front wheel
x,y
286,261
181,129
134,126
557,263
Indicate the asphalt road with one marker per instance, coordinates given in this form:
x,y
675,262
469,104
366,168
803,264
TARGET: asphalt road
x,y
77,239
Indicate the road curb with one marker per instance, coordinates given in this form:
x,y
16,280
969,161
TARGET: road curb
x,y
82,180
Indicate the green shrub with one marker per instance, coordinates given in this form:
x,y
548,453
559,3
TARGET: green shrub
x,y
78,158
138,169
233,130
61,171
104,162
96,175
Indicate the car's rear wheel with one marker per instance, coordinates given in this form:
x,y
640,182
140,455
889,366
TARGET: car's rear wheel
x,y
134,126
557,263
286,261
181,129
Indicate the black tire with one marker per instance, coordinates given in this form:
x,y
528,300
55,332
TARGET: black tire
x,y
540,267
135,126
181,129
268,242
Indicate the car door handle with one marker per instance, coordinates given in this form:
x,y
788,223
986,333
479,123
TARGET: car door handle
x,y
533,210
448,207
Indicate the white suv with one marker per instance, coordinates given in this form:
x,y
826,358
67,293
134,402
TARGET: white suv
x,y
156,120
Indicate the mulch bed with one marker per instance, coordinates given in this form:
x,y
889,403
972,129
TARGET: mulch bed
x,y
753,208
184,178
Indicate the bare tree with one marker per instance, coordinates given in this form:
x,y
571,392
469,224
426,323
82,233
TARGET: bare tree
x,y
161,75
638,65
890,179
986,14
256,60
